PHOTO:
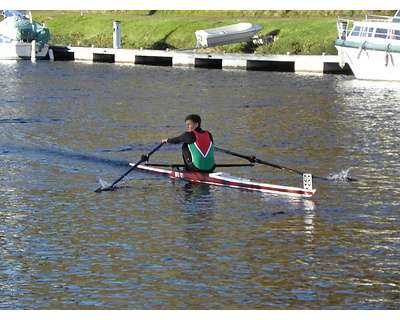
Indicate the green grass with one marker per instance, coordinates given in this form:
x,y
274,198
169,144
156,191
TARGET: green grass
x,y
298,32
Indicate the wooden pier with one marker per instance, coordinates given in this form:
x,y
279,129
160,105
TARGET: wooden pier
x,y
174,58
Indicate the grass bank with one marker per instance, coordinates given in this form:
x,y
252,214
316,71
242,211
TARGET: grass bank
x,y
298,32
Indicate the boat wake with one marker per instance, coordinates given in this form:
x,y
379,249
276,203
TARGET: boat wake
x,y
55,151
119,150
341,176
26,120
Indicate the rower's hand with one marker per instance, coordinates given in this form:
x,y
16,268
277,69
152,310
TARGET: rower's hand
x,y
164,141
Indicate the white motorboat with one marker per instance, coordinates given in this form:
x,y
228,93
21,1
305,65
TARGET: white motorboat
x,y
370,47
236,33
22,38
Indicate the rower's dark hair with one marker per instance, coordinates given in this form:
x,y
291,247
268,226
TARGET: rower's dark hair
x,y
195,118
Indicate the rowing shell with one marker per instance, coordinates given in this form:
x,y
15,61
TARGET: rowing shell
x,y
224,179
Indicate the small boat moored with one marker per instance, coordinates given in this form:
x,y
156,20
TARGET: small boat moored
x,y
370,47
22,38
224,179
236,33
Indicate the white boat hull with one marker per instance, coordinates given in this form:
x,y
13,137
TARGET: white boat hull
x,y
236,33
371,47
371,64
223,179
17,50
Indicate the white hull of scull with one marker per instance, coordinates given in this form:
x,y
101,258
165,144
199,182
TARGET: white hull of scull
x,y
224,179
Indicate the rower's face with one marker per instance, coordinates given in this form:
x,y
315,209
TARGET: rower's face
x,y
191,126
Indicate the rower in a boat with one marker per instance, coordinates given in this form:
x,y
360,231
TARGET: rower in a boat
x,y
198,146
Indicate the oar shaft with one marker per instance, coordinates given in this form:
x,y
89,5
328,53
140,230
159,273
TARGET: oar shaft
x,y
254,159
125,174
277,166
131,169
249,158
136,165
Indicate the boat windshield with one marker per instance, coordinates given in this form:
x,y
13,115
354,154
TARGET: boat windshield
x,y
395,34
360,31
382,33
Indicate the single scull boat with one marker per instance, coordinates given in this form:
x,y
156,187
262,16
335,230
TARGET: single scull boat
x,y
224,179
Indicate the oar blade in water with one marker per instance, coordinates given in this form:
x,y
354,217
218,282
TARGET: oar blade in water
x,y
143,159
105,186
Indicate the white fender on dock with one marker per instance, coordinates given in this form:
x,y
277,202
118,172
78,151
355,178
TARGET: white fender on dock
x,y
51,55
341,58
387,58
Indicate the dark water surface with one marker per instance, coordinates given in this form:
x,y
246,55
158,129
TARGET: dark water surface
x,y
160,244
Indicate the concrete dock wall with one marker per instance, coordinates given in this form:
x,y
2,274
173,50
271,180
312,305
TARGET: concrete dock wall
x,y
258,62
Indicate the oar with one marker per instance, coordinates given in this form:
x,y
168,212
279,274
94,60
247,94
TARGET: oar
x,y
254,159
143,159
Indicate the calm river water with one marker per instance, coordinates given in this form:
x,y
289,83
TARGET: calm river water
x,y
155,243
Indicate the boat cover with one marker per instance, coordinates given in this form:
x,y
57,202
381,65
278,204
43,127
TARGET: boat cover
x,y
19,27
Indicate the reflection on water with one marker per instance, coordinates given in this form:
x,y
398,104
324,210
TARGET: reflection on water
x,y
160,243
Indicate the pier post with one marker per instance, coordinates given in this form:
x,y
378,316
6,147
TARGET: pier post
x,y
117,35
